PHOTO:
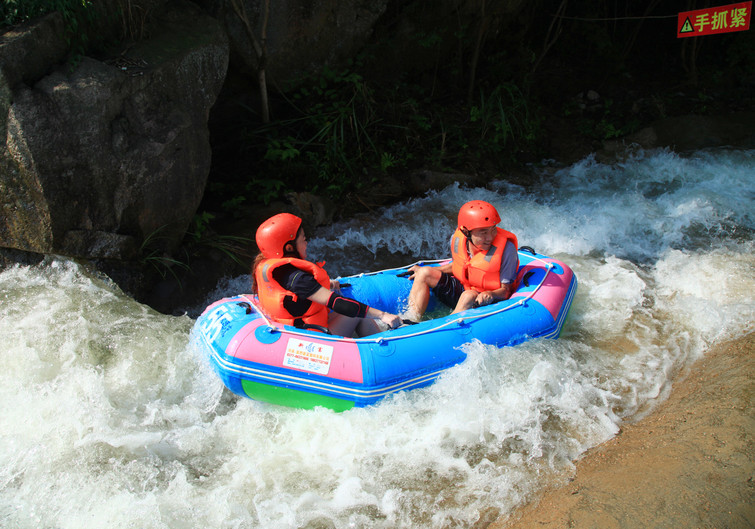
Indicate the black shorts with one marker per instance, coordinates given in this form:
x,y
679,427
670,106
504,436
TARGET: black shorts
x,y
448,290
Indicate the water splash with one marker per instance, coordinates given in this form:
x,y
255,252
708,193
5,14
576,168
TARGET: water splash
x,y
109,416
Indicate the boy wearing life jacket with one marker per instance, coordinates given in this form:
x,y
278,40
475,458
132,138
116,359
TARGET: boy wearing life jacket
x,y
298,292
483,267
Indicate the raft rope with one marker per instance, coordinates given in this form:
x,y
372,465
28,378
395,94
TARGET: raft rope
x,y
382,339
259,311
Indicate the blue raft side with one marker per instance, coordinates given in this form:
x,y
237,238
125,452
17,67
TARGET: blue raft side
x,y
441,346
388,291
220,324
404,361
421,359
388,367
417,362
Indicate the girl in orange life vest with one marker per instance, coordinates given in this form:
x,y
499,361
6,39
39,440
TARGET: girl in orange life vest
x,y
298,292
482,270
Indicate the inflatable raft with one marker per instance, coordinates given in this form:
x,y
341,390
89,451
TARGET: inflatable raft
x,y
264,360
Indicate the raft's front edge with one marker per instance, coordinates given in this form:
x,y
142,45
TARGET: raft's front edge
x,y
286,366
304,369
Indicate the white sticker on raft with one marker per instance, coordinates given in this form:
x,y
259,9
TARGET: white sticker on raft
x,y
308,356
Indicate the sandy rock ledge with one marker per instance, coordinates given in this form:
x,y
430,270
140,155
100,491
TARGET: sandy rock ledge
x,y
690,464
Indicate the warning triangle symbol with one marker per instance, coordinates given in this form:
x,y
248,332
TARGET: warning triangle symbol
x,y
687,27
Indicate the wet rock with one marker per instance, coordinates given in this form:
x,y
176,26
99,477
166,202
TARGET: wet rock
x,y
421,181
687,133
317,210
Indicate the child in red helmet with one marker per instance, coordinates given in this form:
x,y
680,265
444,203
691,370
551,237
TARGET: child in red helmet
x,y
482,270
298,292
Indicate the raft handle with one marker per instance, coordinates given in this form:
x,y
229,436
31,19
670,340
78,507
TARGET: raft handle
x,y
526,278
312,327
529,249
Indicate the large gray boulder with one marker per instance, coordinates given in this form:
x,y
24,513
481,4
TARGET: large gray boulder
x,y
101,157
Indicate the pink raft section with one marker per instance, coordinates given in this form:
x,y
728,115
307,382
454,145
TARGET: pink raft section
x,y
553,290
344,362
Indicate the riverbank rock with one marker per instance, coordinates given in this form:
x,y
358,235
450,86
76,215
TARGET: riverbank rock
x,y
28,51
105,158
689,133
688,464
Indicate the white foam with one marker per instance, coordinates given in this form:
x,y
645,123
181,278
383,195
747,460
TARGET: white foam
x,y
110,417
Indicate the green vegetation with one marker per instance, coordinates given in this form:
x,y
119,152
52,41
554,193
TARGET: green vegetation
x,y
472,92
201,237
331,143
80,17
503,119
84,20
17,11
346,132
152,253
198,240
475,92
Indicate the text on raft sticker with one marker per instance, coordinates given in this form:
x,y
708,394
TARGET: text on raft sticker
x,y
714,20
308,356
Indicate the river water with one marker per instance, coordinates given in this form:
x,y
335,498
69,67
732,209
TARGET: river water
x,y
111,418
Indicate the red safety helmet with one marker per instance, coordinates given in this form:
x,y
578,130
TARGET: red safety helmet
x,y
477,214
275,232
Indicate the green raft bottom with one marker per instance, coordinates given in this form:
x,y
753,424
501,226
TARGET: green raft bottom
x,y
293,397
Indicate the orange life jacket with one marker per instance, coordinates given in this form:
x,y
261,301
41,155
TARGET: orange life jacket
x,y
483,271
271,293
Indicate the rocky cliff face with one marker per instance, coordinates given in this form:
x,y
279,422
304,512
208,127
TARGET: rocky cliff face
x,y
299,37
99,157
106,158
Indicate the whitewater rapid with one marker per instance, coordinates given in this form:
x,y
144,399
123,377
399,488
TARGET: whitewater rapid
x,y
109,417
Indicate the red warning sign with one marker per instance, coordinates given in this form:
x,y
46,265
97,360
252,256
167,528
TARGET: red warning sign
x,y
713,20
